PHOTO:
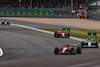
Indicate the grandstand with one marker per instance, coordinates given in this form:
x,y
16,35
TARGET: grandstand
x,y
41,3
43,7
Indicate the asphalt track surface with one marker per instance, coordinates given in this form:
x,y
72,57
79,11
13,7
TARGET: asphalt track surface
x,y
27,48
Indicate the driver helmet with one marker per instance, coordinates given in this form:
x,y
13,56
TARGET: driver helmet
x,y
68,43
89,39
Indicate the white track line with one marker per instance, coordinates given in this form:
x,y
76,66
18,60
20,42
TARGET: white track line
x,y
44,31
1,52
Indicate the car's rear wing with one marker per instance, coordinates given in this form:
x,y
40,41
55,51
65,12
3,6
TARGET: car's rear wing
x,y
92,34
66,29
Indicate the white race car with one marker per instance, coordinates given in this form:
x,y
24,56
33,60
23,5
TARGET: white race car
x,y
89,43
5,23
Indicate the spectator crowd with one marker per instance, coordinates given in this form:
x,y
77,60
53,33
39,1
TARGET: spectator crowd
x,y
65,4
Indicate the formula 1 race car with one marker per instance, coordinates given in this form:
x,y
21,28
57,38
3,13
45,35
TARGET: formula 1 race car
x,y
61,34
5,23
68,49
89,43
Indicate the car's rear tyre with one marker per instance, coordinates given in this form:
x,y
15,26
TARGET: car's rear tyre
x,y
2,23
56,51
8,23
79,50
82,44
56,35
68,35
96,45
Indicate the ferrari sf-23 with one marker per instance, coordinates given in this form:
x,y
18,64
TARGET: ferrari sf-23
x,y
62,33
68,49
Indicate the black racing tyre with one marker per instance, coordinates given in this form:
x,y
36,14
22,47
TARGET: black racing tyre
x,y
2,23
82,44
79,50
56,51
56,35
8,23
96,45
68,35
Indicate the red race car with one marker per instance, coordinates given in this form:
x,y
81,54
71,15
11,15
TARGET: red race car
x,y
61,34
68,49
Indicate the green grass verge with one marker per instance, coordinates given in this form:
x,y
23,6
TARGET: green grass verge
x,y
79,33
